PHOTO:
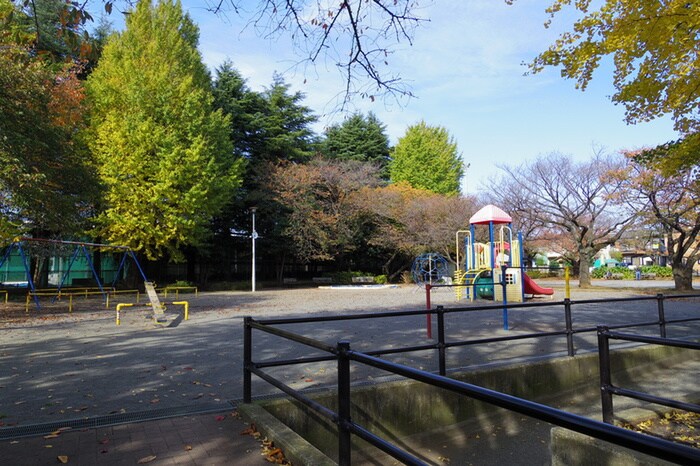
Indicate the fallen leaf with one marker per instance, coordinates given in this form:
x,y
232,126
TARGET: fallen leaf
x,y
63,459
50,436
155,400
146,459
308,380
188,447
104,441
220,418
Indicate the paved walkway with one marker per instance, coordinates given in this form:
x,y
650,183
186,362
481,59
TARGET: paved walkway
x,y
62,367
202,440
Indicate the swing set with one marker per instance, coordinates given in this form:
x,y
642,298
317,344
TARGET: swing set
x,y
57,249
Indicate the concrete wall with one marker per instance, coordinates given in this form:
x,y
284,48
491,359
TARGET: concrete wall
x,y
400,409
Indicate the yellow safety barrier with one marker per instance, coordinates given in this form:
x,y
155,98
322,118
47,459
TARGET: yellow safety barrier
x,y
119,308
114,293
187,308
178,288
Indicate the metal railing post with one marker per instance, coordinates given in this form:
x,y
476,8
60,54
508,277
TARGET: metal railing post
x,y
569,327
441,340
344,440
428,317
247,359
504,284
605,381
662,315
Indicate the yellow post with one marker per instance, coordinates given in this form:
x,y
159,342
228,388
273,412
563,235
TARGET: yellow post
x,y
138,295
119,308
567,282
70,303
26,305
187,308
107,302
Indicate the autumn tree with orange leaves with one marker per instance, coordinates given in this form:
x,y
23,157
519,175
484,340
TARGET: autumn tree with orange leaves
x,y
45,171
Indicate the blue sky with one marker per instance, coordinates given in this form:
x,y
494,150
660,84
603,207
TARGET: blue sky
x,y
466,71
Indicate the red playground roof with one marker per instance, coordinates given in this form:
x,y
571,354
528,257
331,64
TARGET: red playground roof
x,y
490,213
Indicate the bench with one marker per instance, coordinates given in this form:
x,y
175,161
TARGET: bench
x,y
289,281
363,279
322,280
648,276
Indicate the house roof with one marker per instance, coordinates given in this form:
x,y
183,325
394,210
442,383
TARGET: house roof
x,y
490,214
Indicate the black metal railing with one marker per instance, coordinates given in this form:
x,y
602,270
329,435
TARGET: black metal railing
x,y
607,389
343,354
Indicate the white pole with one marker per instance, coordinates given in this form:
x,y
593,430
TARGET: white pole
x,y
253,235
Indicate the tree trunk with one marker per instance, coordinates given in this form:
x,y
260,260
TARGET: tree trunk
x,y
584,274
682,276
385,266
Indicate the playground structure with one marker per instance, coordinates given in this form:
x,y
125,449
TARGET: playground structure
x,y
492,269
71,272
430,268
69,266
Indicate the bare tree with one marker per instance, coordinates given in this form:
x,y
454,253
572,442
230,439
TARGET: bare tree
x,y
410,221
321,221
568,203
670,203
357,36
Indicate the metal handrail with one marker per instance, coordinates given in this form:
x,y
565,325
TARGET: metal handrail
x,y
653,446
607,389
656,447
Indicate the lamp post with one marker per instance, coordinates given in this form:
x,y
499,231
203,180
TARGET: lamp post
x,y
254,235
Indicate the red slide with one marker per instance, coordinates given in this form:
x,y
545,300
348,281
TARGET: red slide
x,y
533,288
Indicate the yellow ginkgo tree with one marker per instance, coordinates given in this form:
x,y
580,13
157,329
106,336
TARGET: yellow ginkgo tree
x,y
655,49
163,154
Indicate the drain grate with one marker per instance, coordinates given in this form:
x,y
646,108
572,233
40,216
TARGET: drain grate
x,y
32,430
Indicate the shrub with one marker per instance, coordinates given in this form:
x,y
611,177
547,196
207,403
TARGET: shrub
x,y
406,277
600,272
658,270
381,279
182,283
535,274
345,278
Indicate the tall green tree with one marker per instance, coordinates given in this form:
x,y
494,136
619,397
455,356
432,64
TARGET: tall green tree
x,y
163,153
267,127
245,108
286,129
426,157
359,138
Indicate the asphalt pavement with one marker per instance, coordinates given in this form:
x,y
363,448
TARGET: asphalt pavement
x,y
60,367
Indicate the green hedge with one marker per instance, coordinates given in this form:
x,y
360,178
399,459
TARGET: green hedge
x,y
627,274
599,272
659,271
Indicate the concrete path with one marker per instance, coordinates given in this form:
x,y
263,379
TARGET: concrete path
x,y
58,367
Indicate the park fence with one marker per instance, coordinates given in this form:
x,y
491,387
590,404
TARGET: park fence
x,y
342,353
